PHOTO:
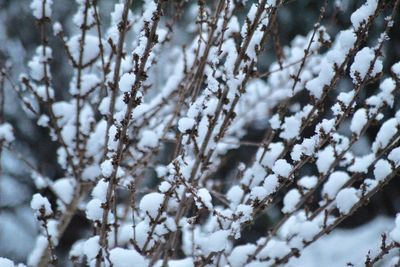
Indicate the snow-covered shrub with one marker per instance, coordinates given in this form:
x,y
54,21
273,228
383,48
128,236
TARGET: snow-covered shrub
x,y
150,96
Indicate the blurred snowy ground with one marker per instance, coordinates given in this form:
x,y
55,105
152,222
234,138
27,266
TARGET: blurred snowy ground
x,y
18,227
346,245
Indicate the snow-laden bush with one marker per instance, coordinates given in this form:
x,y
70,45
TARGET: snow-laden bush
x,y
150,94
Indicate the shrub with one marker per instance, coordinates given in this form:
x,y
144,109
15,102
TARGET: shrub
x,y
150,96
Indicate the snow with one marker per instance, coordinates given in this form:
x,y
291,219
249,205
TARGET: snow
x,y
149,140
291,199
37,8
6,132
39,180
291,128
241,166
244,212
104,106
141,230
205,198
234,195
255,41
36,254
335,182
346,39
282,168
254,175
325,159
88,83
394,262
395,233
382,169
387,87
315,86
116,15
214,242
270,156
164,187
126,257
359,120
150,8
230,48
239,255
91,48
64,188
94,211
100,190
57,28
346,98
6,262
362,62
370,184
307,147
187,262
161,171
271,183
39,202
361,164
394,156
36,70
91,247
346,199
308,182
275,122
211,107
52,228
336,109
252,12
325,126
79,17
126,82
258,193
185,124
385,134
396,69
90,173
43,121
361,15
64,111
274,249
151,204
125,233
107,168
309,229
77,249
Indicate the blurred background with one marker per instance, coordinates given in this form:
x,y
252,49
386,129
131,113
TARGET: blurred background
x,y
19,38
